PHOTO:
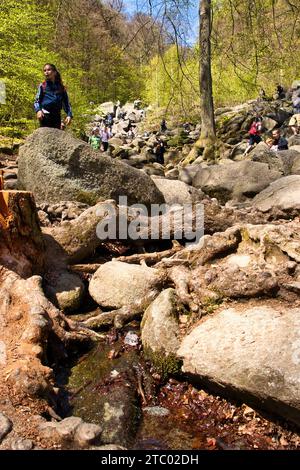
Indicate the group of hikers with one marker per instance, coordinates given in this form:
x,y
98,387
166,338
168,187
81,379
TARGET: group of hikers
x,y
99,138
52,97
274,140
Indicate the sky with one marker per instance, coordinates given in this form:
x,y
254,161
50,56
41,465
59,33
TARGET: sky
x,y
157,6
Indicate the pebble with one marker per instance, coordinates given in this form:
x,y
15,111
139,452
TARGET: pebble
x,y
156,411
21,444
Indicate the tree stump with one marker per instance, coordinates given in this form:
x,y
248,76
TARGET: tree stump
x,y
21,241
30,323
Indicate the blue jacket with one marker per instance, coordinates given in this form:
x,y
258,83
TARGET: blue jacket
x,y
50,98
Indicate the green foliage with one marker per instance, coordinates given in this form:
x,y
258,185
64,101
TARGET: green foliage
x,y
178,140
255,44
120,78
28,34
24,33
171,80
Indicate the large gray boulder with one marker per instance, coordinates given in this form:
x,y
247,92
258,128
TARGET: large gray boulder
x,y
254,351
55,166
286,162
283,194
234,181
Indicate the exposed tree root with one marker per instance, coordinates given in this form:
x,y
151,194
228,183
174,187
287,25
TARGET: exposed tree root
x,y
30,323
118,318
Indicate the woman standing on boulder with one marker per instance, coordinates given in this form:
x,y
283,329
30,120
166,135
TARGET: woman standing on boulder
x,y
51,98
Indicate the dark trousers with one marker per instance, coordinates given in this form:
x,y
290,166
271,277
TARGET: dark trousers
x,y
51,120
104,146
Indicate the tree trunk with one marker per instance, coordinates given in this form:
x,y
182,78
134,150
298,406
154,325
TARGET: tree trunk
x,y
21,240
208,131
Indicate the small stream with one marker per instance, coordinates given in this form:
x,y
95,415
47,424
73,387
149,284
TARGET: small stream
x,y
112,385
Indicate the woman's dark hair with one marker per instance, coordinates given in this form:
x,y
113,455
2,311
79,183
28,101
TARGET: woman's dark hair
x,y
58,78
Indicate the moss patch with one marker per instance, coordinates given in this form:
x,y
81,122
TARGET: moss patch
x,y
164,364
87,197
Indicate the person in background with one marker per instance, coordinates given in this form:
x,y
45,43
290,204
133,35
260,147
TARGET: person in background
x,y
163,125
254,134
159,151
95,140
105,136
130,133
279,92
262,94
279,142
51,98
109,120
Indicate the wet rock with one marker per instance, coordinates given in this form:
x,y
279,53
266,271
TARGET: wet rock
x,y
5,426
119,414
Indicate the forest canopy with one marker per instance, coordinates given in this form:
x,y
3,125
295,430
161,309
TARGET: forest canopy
x,y
105,54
